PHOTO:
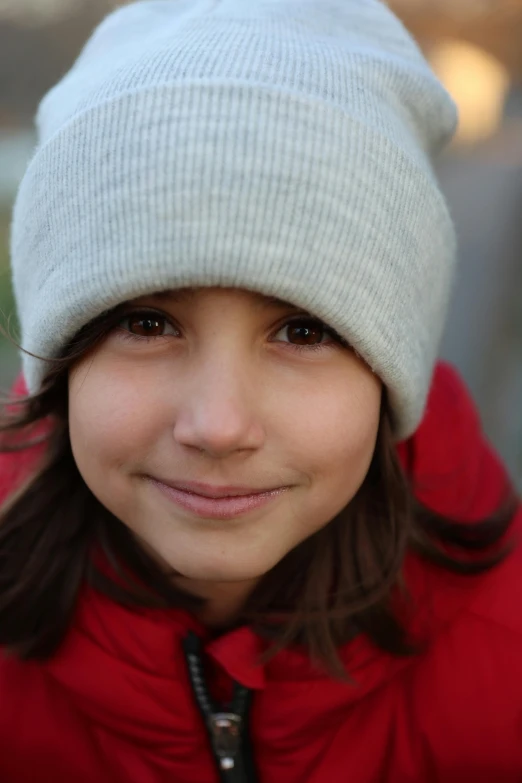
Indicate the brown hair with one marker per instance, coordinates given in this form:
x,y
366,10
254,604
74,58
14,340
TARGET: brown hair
x,y
339,582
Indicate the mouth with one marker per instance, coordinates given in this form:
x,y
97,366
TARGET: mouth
x,y
213,502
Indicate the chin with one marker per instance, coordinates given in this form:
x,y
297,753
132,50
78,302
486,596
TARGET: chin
x,y
222,571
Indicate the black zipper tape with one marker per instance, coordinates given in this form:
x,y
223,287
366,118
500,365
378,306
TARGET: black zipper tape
x,y
228,727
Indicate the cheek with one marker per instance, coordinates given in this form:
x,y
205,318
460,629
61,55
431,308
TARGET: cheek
x,y
349,429
108,420
334,432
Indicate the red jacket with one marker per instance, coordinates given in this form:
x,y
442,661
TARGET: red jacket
x,y
115,705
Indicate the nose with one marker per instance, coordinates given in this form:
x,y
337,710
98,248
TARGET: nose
x,y
218,413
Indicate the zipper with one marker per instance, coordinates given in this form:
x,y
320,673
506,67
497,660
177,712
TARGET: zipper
x,y
227,726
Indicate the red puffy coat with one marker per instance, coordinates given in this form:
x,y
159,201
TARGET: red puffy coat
x,y
115,705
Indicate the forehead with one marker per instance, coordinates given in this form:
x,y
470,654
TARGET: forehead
x,y
190,295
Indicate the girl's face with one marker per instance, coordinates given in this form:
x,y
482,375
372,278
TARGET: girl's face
x,y
223,428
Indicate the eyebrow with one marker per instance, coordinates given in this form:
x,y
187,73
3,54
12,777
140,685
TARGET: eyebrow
x,y
185,294
177,295
270,301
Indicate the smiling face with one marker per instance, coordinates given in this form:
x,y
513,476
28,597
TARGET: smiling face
x,y
223,428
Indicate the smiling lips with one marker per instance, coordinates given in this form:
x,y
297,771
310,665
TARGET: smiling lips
x,y
211,502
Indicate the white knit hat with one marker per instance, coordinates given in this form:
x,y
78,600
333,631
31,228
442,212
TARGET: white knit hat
x,y
282,146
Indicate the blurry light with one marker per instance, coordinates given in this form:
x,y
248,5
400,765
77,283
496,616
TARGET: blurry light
x,y
478,83
36,12
457,9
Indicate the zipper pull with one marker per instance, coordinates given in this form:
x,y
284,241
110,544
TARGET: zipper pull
x,y
226,726
225,729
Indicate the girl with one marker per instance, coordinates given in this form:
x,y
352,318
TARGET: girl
x,y
237,543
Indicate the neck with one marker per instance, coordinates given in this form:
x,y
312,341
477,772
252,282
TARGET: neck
x,y
224,601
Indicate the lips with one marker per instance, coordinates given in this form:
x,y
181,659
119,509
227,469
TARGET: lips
x,y
211,502
209,491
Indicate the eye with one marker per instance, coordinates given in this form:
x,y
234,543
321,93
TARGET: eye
x,y
147,325
306,332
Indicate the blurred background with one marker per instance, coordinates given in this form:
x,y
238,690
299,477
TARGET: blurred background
x,y
476,48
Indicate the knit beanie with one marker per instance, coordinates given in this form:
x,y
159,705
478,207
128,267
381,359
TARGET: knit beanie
x,y
279,146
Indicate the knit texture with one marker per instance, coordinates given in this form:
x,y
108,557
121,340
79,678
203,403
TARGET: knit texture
x,y
282,146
